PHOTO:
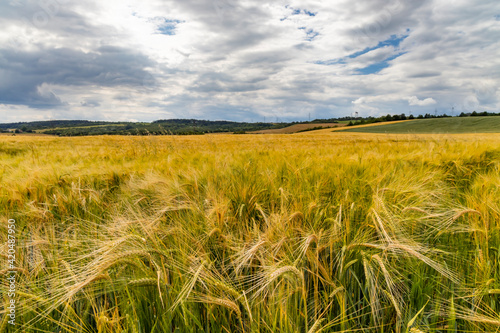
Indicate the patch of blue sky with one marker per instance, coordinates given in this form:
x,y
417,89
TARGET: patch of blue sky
x,y
393,41
309,13
377,67
167,27
331,62
298,11
497,17
310,33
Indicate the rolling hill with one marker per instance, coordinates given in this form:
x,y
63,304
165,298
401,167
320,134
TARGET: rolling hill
x,y
298,128
439,125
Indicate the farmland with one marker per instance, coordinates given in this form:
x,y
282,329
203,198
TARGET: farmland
x,y
442,125
299,128
313,232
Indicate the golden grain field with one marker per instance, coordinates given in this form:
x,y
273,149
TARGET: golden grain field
x,y
311,232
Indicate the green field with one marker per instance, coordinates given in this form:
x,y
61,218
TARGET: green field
x,y
439,125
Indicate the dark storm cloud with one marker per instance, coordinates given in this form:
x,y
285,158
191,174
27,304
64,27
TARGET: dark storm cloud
x,y
263,59
237,78
52,16
122,97
419,75
220,82
90,102
23,72
385,18
226,16
236,24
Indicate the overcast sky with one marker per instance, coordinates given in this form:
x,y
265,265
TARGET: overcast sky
x,y
246,60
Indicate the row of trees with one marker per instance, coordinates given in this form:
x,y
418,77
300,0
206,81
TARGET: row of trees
x,y
479,114
371,120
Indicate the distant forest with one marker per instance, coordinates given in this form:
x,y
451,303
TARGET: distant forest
x,y
159,127
187,126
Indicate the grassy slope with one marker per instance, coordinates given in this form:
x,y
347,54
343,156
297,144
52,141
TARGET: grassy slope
x,y
326,131
440,125
298,127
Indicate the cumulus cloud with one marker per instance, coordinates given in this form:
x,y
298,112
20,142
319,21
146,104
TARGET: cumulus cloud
x,y
245,59
413,100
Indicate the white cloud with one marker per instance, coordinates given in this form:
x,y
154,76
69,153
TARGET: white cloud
x,y
245,59
413,100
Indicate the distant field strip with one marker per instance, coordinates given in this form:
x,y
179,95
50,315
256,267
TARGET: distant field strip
x,y
440,125
72,127
298,128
